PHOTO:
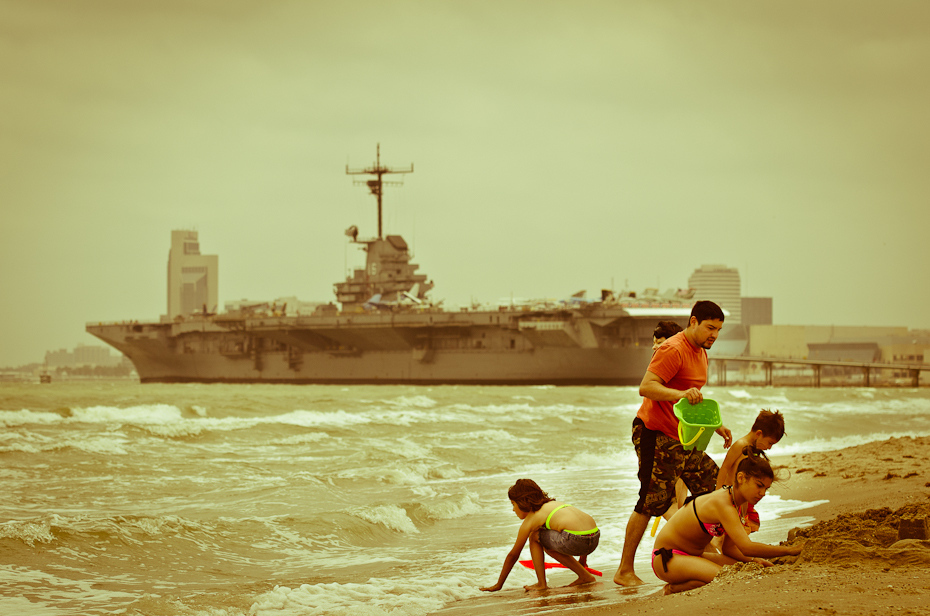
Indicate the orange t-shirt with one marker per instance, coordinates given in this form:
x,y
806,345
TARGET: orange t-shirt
x,y
681,365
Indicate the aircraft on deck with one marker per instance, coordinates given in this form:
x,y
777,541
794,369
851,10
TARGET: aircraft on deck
x,y
405,298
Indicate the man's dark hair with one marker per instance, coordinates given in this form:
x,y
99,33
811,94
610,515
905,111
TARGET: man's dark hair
x,y
706,310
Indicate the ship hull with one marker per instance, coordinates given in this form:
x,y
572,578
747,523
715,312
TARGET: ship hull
x,y
513,348
544,367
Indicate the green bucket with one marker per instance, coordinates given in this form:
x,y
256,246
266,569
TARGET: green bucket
x,y
697,422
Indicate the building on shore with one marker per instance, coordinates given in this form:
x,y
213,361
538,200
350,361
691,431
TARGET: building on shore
x,y
83,356
840,343
721,285
755,311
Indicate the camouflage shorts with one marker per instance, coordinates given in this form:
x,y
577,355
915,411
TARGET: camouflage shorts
x,y
662,461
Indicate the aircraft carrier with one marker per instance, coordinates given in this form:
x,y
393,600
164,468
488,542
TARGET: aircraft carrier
x,y
384,330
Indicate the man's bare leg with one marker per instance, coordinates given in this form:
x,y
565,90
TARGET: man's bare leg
x,y
681,493
635,529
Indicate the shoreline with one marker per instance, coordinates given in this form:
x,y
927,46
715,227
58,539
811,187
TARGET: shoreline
x,y
852,563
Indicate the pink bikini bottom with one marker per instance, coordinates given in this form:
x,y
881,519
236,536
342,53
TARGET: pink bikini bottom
x,y
666,555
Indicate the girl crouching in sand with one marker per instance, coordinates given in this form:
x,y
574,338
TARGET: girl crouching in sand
x,y
679,556
560,529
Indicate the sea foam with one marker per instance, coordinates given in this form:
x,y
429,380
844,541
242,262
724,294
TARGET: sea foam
x,y
23,417
377,597
31,442
421,402
138,415
452,507
316,419
391,516
30,532
774,507
53,527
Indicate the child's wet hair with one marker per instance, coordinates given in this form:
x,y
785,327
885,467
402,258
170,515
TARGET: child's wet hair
x,y
755,465
527,495
772,424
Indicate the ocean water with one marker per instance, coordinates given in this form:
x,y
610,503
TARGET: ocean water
x,y
122,498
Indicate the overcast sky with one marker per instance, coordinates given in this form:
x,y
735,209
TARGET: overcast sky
x,y
557,146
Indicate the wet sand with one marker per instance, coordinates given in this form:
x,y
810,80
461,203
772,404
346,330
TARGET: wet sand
x,y
868,553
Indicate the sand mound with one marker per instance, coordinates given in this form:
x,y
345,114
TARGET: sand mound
x,y
896,537
739,571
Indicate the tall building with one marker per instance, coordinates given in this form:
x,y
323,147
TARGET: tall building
x,y
192,277
59,358
93,355
82,355
721,285
757,311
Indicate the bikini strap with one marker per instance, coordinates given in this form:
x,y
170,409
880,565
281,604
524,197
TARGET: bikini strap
x,y
549,517
666,555
701,524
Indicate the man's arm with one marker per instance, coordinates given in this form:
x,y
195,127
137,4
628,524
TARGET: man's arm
x,y
726,434
654,388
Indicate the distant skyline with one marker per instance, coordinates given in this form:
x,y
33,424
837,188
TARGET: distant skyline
x,y
557,147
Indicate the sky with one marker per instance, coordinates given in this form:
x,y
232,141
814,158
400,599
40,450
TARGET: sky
x,y
557,146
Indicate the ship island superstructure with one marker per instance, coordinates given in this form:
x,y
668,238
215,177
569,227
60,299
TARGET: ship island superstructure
x,y
385,330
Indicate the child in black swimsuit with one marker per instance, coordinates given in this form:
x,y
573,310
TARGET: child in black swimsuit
x,y
679,555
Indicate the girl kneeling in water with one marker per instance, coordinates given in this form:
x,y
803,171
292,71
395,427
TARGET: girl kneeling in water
x,y
678,556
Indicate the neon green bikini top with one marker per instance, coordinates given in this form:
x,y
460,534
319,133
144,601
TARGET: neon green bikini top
x,y
573,532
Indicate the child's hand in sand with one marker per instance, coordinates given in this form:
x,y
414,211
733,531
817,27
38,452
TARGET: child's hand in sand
x,y
494,588
763,562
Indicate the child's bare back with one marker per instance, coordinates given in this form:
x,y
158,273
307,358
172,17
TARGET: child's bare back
x,y
767,430
553,528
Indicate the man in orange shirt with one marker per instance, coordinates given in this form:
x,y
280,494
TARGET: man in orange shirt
x,y
678,370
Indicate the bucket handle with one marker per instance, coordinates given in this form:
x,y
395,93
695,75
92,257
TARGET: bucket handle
x,y
693,441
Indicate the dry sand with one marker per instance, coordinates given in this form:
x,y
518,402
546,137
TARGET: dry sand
x,y
868,554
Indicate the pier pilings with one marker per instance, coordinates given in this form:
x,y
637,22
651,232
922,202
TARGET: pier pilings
x,y
814,373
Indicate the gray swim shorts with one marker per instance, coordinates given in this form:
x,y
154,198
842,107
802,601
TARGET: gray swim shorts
x,y
567,543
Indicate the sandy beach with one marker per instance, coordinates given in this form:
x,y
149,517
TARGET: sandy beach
x,y
868,553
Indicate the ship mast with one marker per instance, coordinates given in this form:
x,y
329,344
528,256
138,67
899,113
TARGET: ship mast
x,y
376,186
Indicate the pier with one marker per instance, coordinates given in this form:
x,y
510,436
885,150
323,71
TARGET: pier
x,y
842,372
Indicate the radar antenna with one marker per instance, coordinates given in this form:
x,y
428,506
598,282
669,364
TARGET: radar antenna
x,y
376,186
